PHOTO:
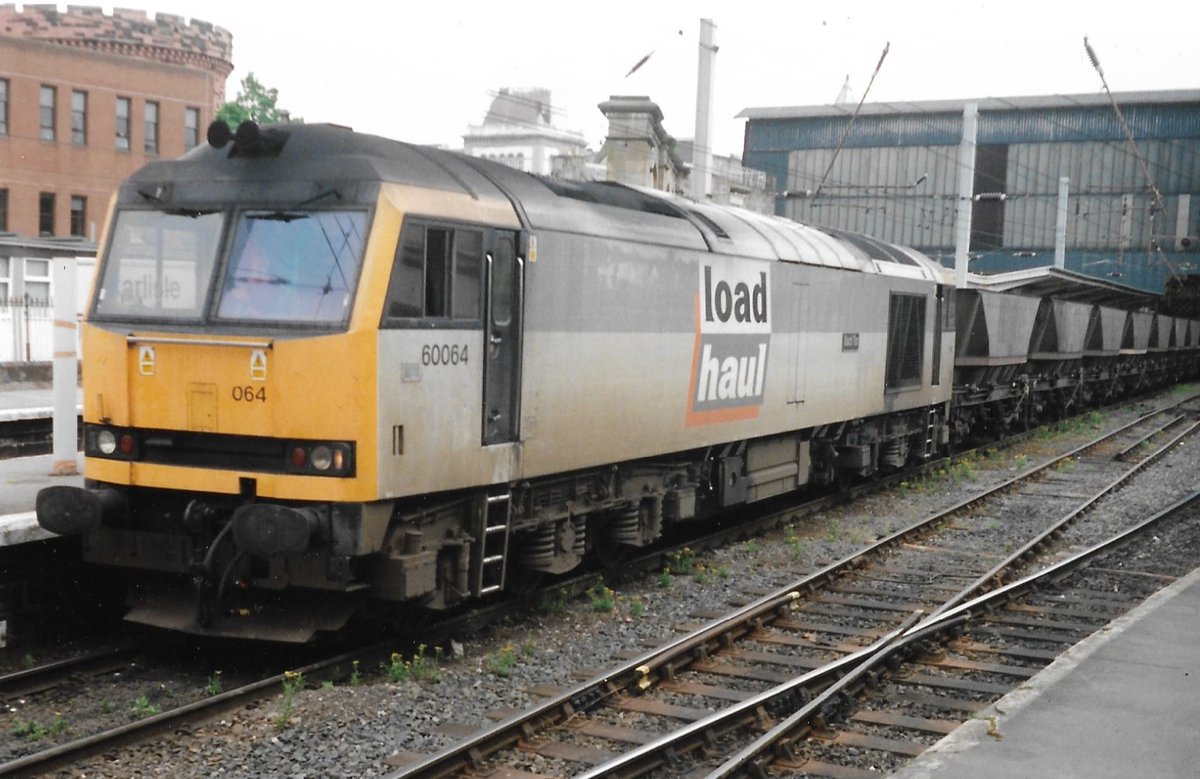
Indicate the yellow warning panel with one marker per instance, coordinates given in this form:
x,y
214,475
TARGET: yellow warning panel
x,y
258,365
146,360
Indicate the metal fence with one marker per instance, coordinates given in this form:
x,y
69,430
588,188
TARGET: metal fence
x,y
26,330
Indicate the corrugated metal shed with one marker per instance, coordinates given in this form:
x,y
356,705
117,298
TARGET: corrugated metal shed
x,y
896,175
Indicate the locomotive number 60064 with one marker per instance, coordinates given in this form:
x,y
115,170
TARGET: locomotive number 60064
x,y
444,354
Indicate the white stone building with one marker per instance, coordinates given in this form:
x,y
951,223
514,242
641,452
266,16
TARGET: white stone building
x,y
519,131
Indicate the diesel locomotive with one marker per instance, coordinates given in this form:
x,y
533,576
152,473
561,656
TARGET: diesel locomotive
x,y
325,372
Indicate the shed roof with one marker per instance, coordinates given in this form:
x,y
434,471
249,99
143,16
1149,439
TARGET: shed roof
x,y
897,107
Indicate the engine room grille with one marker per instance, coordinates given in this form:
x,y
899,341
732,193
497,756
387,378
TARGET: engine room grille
x,y
906,340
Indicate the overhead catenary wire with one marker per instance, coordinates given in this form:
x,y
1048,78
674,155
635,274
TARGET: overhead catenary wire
x,y
849,125
1136,153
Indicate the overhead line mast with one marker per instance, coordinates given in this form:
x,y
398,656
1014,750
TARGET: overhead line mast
x,y
841,142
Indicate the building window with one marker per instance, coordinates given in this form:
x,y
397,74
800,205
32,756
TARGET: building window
x,y
3,210
191,128
123,109
3,106
46,213
46,112
37,280
78,215
4,277
151,127
79,117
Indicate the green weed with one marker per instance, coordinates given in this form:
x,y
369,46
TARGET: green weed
x,y
214,684
418,668
142,707
602,597
35,731
962,470
501,663
293,682
794,543
682,562
553,605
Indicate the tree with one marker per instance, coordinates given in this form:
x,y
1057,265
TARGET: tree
x,y
255,102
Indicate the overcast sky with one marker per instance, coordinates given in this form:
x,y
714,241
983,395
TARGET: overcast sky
x,y
424,71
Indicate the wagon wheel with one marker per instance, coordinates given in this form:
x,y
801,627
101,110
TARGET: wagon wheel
x,y
610,554
843,481
522,581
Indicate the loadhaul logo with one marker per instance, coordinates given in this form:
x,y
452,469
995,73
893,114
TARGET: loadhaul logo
x,y
733,333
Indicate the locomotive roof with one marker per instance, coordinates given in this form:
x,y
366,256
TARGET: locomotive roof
x,y
302,163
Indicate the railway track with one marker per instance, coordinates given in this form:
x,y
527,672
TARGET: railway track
x,y
29,437
115,727
38,678
780,652
844,640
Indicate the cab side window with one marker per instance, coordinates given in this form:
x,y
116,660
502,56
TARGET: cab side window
x,y
436,277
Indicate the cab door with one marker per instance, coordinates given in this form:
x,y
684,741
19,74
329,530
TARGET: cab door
x,y
502,339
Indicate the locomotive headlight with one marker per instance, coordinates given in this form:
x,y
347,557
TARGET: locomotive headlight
x,y
106,441
101,441
320,457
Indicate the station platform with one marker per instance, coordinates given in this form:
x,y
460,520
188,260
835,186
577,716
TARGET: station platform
x,y
1122,703
22,477
30,403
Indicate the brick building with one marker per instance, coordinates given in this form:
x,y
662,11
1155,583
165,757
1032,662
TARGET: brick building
x,y
87,98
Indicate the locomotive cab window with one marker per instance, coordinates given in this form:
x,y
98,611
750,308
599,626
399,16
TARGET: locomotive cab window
x,y
297,267
159,265
906,341
437,275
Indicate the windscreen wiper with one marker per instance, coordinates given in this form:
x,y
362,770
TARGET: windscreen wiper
x,y
289,215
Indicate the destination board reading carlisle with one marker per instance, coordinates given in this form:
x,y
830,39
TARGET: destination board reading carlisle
x,y
733,334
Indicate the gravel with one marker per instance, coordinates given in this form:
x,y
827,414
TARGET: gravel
x,y
366,729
